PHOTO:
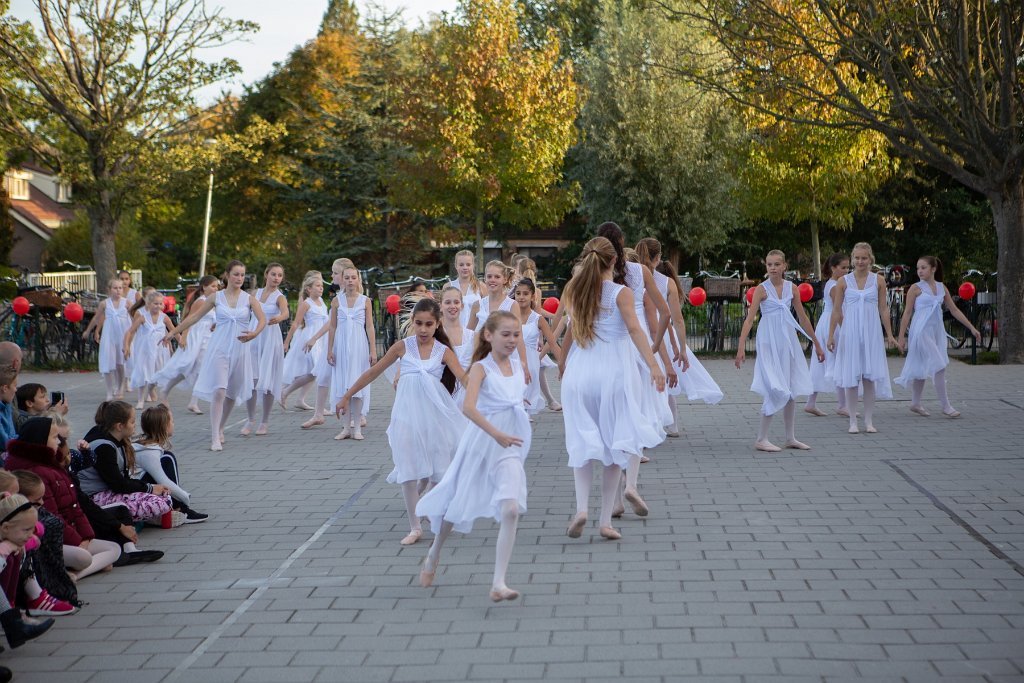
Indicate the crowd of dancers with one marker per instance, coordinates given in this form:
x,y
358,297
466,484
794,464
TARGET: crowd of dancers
x,y
470,370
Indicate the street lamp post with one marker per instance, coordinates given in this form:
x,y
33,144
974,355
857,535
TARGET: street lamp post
x,y
206,222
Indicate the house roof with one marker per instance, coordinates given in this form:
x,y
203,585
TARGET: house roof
x,y
41,212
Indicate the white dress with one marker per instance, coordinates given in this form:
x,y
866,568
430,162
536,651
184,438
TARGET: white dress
x,y
464,352
468,299
426,425
268,348
148,353
298,363
780,369
821,373
926,338
860,344
482,473
115,324
227,364
187,361
485,310
601,393
351,350
654,403
696,382
531,338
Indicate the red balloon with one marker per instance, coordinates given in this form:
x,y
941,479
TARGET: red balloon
x,y
393,303
73,312
20,305
750,295
967,291
551,304
170,303
698,296
806,291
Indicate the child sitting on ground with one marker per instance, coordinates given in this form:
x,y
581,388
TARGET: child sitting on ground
x,y
156,465
34,400
17,525
8,391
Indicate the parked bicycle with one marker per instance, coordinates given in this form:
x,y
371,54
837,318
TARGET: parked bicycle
x,y
980,310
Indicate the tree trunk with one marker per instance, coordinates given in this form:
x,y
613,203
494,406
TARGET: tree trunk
x,y
815,250
1008,212
480,239
103,226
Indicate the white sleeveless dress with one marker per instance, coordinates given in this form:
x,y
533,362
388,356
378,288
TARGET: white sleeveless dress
x,y
298,363
860,344
926,338
227,364
468,299
654,403
115,325
483,474
464,352
485,310
696,382
268,348
531,338
780,369
186,362
601,393
426,425
148,353
821,373
351,350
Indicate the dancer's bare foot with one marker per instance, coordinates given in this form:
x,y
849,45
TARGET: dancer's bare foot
x,y
798,445
412,537
640,508
194,409
343,434
246,429
283,402
499,593
870,429
610,533
315,421
844,412
302,405
221,436
575,529
554,406
357,435
644,460
766,446
951,412
261,430
854,429
427,575
216,445
817,412
919,411
618,511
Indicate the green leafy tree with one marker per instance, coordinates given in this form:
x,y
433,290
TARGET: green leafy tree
x,y
487,121
656,153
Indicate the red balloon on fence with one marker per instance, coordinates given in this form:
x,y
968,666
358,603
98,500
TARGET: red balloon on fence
x,y
393,303
967,291
551,304
170,303
20,305
73,312
750,295
698,296
806,291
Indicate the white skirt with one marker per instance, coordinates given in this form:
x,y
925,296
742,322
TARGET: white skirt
x,y
425,429
697,383
269,361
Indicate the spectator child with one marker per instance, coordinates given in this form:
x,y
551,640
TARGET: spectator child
x,y
8,389
156,465
17,525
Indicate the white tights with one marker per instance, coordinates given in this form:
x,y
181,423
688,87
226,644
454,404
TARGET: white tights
x,y
940,388
673,407
268,403
220,409
544,386
87,561
788,419
166,393
812,400
502,548
114,380
411,491
869,404
584,477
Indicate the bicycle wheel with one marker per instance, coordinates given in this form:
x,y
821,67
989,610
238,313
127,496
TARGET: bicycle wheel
x,y
986,325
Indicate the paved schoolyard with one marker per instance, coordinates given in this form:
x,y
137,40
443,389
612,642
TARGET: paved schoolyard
x,y
888,557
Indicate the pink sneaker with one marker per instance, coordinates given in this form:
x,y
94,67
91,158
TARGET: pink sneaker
x,y
48,606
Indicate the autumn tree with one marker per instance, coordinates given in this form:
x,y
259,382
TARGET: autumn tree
x,y
487,121
100,91
949,94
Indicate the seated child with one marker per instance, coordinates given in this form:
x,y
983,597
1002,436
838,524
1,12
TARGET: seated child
x,y
34,400
8,392
155,465
17,526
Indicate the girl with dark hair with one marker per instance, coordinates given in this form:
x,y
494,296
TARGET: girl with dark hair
x,y
422,440
834,267
926,352
267,350
534,326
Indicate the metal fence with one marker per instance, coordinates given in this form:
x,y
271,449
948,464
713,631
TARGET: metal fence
x,y
76,280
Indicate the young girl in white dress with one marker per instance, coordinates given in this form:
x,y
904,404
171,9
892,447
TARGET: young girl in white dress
x,y
486,478
465,281
186,362
227,375
351,349
926,352
110,324
527,268
780,369
425,422
462,338
143,343
130,294
268,349
835,267
301,359
535,329
495,281
858,342
601,387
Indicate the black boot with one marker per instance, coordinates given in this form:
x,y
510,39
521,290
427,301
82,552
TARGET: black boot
x,y
5,674
19,632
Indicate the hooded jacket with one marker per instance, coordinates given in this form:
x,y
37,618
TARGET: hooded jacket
x,y
110,473
61,496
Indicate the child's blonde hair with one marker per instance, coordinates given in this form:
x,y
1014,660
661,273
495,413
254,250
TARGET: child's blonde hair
x,y
155,423
494,320
345,264
582,294
312,277
500,265
864,246
474,284
8,482
142,299
12,505
28,481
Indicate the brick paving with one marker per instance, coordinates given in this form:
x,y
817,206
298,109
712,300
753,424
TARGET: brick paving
x,y
888,557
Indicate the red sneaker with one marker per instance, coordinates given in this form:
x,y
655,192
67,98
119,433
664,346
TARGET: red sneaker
x,y
48,606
